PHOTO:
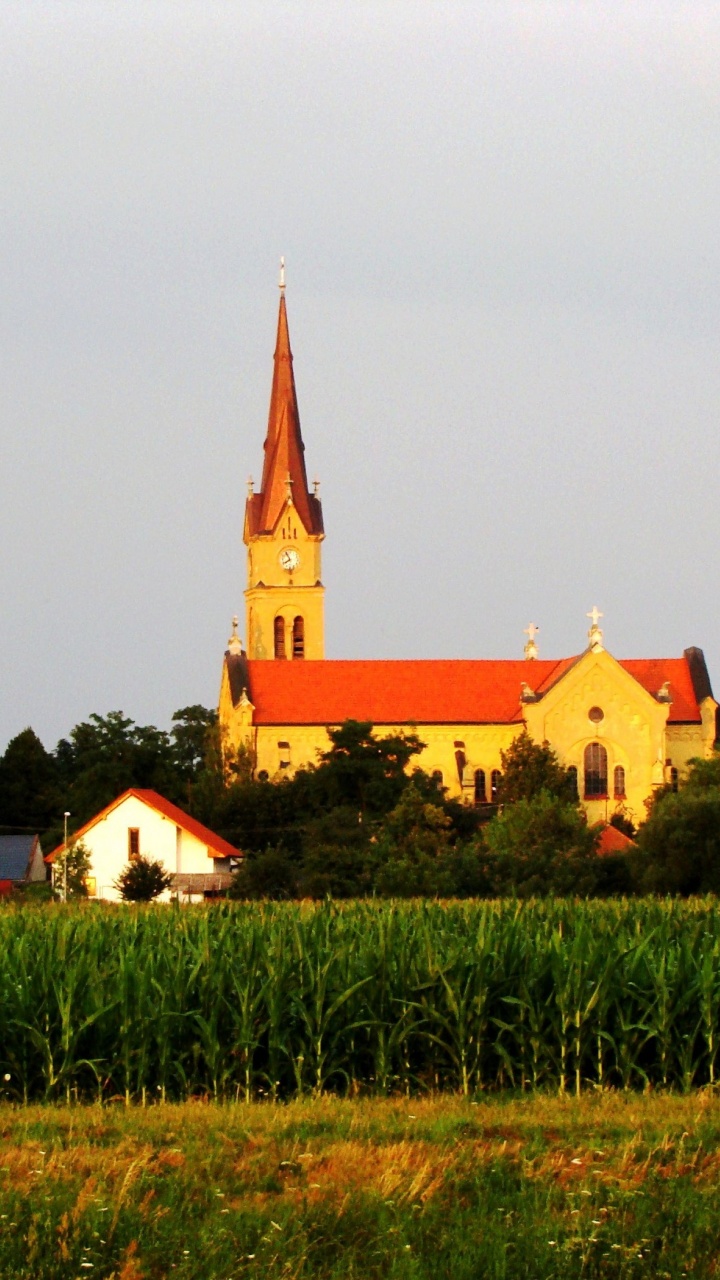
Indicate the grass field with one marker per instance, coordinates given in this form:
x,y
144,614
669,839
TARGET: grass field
x,y
608,1185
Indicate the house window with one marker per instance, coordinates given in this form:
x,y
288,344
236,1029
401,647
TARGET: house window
x,y
280,638
572,778
495,780
674,779
284,752
460,763
595,770
437,775
133,842
480,792
299,638
263,776
619,782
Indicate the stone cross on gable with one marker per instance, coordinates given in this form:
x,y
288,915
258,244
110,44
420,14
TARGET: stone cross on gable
x,y
595,635
531,649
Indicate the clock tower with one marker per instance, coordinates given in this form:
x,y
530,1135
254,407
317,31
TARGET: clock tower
x,y
283,530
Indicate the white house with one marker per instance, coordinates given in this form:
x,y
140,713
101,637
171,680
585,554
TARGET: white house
x,y
143,823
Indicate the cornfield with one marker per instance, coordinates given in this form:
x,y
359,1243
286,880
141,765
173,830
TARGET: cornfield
x,y
246,1001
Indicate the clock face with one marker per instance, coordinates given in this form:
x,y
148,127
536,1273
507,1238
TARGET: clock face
x,y
289,559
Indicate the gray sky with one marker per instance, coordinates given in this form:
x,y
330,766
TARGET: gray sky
x,y
501,228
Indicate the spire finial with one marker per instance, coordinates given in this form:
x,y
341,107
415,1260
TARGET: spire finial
x,y
235,643
531,649
281,282
316,486
250,486
595,635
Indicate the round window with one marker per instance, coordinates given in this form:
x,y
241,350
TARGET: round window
x,y
596,714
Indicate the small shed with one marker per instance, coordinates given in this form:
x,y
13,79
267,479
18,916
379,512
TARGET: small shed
x,y
21,862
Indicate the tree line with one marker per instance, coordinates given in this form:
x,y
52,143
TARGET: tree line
x,y
365,819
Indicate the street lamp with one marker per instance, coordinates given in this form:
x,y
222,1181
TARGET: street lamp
x,y
65,852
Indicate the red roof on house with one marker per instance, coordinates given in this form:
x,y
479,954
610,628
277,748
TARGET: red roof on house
x,y
216,846
435,691
611,840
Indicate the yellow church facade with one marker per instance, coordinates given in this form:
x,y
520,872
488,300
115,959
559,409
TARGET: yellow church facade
x,y
624,726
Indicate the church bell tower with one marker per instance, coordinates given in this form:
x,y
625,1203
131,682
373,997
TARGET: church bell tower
x,y
284,600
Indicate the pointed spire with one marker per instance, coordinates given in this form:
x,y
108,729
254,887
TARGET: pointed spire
x,y
284,468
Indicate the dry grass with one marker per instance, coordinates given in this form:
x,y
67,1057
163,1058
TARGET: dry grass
x,y
608,1185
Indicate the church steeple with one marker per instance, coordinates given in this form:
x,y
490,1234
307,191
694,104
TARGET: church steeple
x,y
284,471
284,528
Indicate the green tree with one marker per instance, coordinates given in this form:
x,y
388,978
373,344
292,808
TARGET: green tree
x,y
76,858
143,880
360,770
679,845
540,846
528,769
193,738
412,849
271,874
29,785
106,755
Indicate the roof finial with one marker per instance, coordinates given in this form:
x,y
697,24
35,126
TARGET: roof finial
x,y
531,649
235,643
250,486
282,275
595,635
316,486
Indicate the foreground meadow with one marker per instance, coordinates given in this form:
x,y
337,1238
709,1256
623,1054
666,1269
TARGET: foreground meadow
x,y
610,1185
248,1001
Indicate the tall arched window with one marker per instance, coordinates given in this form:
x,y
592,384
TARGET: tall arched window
x,y
280,638
495,780
437,775
619,782
480,792
595,770
299,638
572,776
460,763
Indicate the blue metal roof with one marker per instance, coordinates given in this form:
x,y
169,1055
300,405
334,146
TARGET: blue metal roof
x,y
15,854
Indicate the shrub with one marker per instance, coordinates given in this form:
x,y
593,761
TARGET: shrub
x,y
142,880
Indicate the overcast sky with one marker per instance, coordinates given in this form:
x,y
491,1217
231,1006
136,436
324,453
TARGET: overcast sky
x,y
501,224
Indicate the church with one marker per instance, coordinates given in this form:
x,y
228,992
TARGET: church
x,y
623,726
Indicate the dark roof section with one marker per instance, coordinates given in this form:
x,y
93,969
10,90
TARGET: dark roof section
x,y
15,856
238,675
699,675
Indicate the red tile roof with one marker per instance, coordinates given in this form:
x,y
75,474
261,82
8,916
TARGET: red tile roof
x,y
652,673
611,840
216,846
433,691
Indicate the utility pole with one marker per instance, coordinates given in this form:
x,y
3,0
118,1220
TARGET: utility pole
x,y
65,854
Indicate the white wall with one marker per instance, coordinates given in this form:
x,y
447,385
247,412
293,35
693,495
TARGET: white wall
x,y
107,843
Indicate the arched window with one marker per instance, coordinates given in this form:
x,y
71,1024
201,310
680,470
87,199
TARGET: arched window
x,y
437,775
495,780
299,638
619,782
480,792
280,638
572,777
460,762
595,770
